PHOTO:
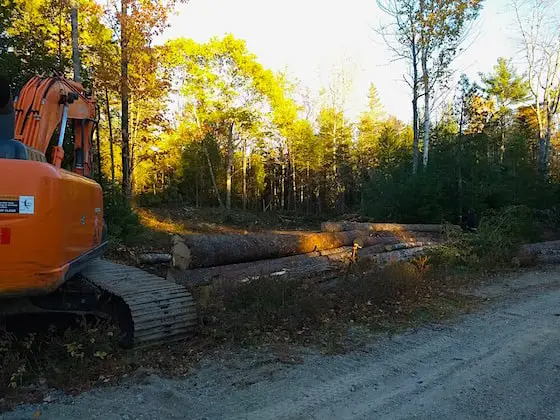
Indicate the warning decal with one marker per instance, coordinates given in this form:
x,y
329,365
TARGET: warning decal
x,y
24,204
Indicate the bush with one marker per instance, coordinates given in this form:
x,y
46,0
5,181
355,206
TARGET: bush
x,y
123,223
497,241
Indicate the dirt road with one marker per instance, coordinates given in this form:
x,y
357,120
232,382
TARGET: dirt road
x,y
501,363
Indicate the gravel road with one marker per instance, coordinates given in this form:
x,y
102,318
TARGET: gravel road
x,y
502,362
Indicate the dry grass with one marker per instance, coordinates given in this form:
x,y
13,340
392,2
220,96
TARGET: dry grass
x,y
188,220
334,315
311,313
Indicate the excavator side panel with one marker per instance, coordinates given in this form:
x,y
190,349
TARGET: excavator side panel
x,y
51,224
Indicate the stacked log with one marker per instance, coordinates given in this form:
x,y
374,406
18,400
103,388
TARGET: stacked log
x,y
199,251
199,260
296,267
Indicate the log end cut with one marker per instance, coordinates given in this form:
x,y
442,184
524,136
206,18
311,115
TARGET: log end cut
x,y
180,253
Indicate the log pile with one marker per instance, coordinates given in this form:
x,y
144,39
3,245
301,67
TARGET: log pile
x,y
198,260
315,264
199,251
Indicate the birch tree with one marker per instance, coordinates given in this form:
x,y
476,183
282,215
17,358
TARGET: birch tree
x,y
427,34
539,27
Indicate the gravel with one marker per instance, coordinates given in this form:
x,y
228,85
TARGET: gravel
x,y
502,362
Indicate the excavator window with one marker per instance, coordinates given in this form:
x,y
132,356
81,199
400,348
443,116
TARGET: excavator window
x,y
11,149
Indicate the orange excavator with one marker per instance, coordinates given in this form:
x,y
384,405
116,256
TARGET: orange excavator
x,y
52,232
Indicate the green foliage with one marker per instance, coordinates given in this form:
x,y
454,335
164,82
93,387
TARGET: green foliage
x,y
502,231
123,223
61,356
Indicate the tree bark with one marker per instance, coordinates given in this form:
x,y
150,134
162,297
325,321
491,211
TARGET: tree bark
x,y
126,182
196,251
229,170
212,176
425,77
382,227
283,185
75,42
111,147
244,198
98,151
294,183
320,264
415,125
154,258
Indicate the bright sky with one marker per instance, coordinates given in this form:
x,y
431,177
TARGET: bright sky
x,y
308,37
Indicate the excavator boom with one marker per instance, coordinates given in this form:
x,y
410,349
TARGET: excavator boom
x,y
43,106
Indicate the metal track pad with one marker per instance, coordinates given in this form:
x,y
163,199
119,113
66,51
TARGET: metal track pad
x,y
161,311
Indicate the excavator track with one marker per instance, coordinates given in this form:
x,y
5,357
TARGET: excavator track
x,y
155,311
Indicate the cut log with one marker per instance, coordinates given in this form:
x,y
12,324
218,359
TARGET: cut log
x,y
154,258
382,227
199,251
541,248
315,264
540,252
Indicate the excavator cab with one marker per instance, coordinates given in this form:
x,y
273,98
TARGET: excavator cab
x,y
51,219
9,148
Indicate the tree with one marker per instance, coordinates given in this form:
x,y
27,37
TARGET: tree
x,y
428,33
507,88
402,37
226,91
138,23
442,27
539,28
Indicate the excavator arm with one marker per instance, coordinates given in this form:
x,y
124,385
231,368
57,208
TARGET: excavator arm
x,y
45,104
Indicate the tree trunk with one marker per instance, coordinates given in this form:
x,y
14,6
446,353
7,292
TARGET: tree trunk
x,y
75,42
546,147
321,265
111,147
244,174
215,250
283,184
98,147
426,80
294,183
126,182
212,177
308,198
415,125
197,187
229,170
383,227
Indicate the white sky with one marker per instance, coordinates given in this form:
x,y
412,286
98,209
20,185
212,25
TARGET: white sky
x,y
307,37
